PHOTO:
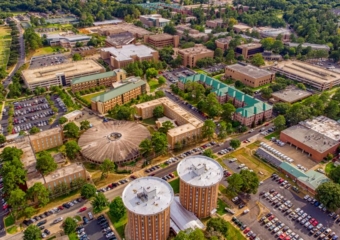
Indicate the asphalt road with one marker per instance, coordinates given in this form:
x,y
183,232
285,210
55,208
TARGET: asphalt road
x,y
21,60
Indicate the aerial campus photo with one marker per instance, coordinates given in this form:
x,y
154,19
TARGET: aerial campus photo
x,y
169,120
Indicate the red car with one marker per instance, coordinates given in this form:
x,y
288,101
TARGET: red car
x,y
271,217
266,124
315,223
4,207
82,209
245,231
60,207
172,175
281,180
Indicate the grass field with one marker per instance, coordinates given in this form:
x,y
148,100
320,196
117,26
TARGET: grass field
x,y
273,134
5,41
245,156
119,224
150,121
175,185
221,207
153,83
233,233
46,50
9,221
12,230
88,97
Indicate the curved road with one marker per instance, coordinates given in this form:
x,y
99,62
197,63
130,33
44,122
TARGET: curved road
x,y
21,60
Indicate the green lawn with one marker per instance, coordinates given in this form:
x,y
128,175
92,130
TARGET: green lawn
x,y
153,83
200,71
233,233
5,42
260,87
150,121
221,205
12,230
78,218
273,134
329,167
175,185
9,221
119,224
46,50
88,97
73,236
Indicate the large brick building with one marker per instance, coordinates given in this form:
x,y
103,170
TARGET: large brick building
x,y
317,137
249,110
153,20
189,127
162,40
223,43
248,50
249,75
122,93
191,55
102,79
198,187
47,139
148,201
121,56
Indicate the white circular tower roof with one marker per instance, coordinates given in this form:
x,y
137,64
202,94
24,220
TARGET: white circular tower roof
x,y
200,171
147,195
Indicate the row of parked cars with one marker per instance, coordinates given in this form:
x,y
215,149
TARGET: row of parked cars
x,y
168,177
277,200
81,233
107,231
171,160
278,228
281,181
226,150
22,112
61,104
115,184
333,215
151,169
23,103
250,234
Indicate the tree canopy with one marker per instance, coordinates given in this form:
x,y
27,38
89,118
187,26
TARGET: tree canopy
x,y
99,202
329,195
117,208
46,163
71,130
88,190
32,232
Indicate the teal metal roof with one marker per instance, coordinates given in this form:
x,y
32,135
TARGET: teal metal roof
x,y
252,105
118,91
93,77
314,179
294,171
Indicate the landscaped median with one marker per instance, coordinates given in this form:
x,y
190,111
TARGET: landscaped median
x,y
9,224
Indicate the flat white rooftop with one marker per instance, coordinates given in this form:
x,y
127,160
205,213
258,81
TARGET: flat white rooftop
x,y
125,52
147,196
200,171
323,125
73,114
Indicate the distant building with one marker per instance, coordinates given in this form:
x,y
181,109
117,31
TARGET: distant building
x,y
198,187
125,90
148,201
101,79
215,23
153,20
189,127
274,32
119,39
59,75
309,181
241,28
84,51
311,75
162,40
291,94
316,137
249,110
191,55
249,75
249,49
74,115
312,45
121,56
270,56
107,22
109,30
67,40
47,139
193,33
223,43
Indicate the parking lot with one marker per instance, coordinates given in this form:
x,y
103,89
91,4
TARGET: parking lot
x,y
214,69
47,60
32,112
94,231
174,75
284,217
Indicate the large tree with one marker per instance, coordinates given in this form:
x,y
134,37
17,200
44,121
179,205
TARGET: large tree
x,y
88,191
335,174
257,60
145,147
106,167
329,195
62,120
208,153
227,111
208,129
250,181
46,163
218,224
2,139
281,108
32,233
235,143
10,153
72,148
71,130
166,126
34,130
235,184
117,208
38,192
280,122
99,202
196,234
223,130
84,125
17,201
69,225
158,112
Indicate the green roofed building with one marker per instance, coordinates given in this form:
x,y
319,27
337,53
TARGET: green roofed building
x,y
249,109
309,181
101,79
123,92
